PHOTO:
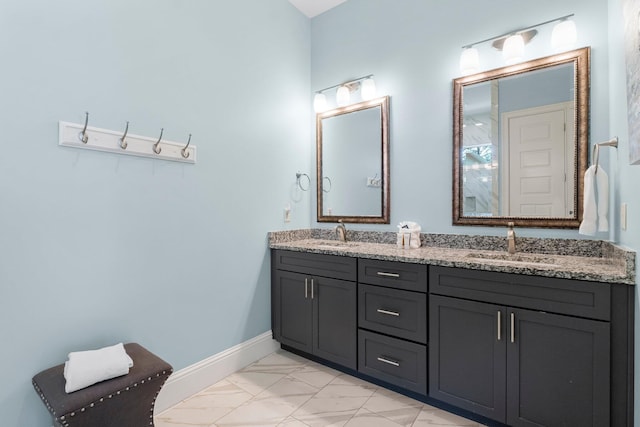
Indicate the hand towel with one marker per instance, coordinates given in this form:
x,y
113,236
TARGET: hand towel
x,y
602,184
85,368
590,210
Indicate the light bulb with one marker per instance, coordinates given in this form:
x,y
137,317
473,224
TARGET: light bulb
x,y
319,103
513,49
564,35
469,61
342,96
368,89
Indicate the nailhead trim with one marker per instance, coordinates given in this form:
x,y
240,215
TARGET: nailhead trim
x,y
65,421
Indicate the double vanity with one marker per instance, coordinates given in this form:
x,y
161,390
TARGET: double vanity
x,y
543,337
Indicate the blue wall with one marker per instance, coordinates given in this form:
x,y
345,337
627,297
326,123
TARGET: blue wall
x,y
413,49
98,248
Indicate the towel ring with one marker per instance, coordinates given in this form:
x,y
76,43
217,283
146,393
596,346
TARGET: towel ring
x,y
298,176
330,184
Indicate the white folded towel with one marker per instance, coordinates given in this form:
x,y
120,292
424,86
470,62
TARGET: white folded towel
x,y
590,210
602,181
595,212
85,368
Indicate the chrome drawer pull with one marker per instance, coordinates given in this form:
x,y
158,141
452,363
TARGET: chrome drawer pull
x,y
387,361
382,273
306,288
499,325
312,288
388,313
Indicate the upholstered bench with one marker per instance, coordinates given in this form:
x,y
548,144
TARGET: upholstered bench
x,y
125,401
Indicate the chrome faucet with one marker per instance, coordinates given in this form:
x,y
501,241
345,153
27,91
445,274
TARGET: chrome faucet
x,y
341,231
511,238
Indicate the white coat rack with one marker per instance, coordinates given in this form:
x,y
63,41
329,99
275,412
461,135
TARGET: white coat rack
x,y
90,138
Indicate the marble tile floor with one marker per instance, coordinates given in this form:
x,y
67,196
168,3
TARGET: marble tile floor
x,y
285,390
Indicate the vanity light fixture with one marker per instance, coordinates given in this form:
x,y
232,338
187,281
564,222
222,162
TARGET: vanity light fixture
x,y
366,85
343,96
563,37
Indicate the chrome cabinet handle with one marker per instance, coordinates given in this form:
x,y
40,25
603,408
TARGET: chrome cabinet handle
x,y
387,361
499,325
311,288
388,313
306,288
513,327
382,273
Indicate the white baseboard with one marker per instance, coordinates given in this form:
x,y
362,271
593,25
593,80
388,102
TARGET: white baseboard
x,y
195,378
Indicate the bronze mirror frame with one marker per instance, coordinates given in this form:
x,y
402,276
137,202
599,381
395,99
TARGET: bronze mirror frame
x,y
384,217
581,59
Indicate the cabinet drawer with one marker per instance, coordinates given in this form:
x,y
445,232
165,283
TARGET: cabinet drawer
x,y
411,277
563,296
333,266
393,360
394,312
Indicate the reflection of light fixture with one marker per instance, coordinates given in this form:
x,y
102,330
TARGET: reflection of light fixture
x,y
512,43
366,85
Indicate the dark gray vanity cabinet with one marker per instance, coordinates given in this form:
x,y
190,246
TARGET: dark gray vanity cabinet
x,y
392,321
313,304
522,350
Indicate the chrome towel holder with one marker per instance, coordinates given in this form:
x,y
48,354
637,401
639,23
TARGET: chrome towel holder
x,y
613,142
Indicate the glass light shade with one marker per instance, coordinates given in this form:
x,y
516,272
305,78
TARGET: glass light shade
x,y
319,103
342,96
513,49
564,35
469,61
368,89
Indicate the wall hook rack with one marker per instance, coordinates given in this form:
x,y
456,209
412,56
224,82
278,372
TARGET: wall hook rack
x,y
77,135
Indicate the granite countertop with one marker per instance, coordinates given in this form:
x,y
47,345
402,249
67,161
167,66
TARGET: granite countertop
x,y
561,258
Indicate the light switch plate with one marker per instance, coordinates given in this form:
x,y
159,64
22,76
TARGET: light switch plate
x,y
623,216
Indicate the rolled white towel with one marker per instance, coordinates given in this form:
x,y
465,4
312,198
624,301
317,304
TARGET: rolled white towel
x,y
602,182
590,210
85,368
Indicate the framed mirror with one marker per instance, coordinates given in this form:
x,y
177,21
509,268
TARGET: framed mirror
x,y
352,155
520,143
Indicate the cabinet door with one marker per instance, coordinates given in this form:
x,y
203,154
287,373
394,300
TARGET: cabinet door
x,y
467,355
557,370
293,310
334,320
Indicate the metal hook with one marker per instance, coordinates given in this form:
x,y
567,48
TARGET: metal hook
x,y
123,143
184,151
156,148
83,135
